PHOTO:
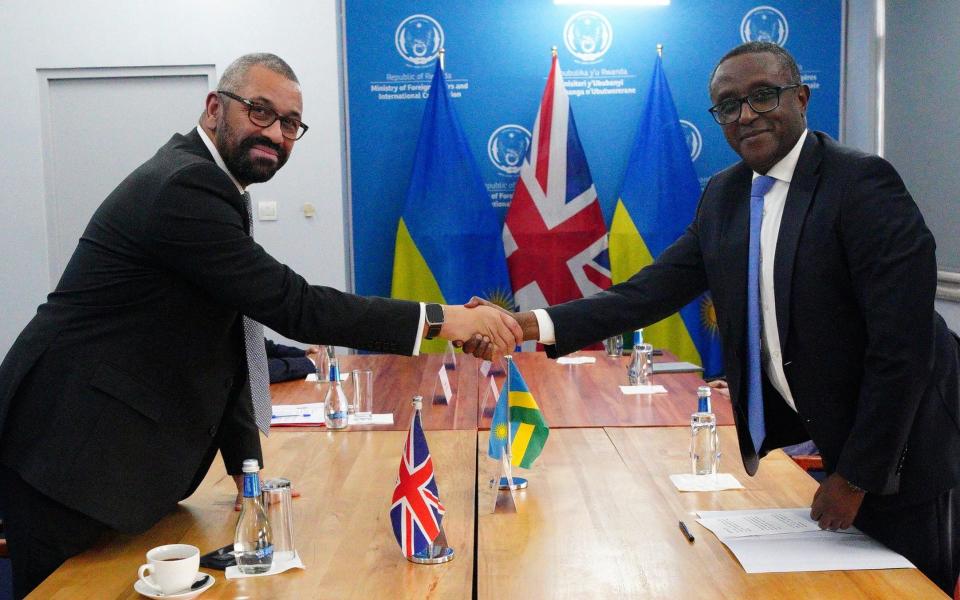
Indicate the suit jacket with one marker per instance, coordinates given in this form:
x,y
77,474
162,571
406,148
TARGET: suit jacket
x,y
286,363
117,395
871,366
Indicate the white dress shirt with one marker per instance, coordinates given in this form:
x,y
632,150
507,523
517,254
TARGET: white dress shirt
x,y
219,160
773,204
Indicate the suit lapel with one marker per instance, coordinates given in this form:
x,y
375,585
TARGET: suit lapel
x,y
799,198
735,238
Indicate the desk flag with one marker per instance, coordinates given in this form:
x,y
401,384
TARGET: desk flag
x,y
448,245
416,511
554,235
658,201
528,430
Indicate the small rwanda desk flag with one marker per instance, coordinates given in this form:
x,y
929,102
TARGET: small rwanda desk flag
x,y
657,203
518,428
449,244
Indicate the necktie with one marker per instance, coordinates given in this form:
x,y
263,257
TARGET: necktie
x,y
257,359
758,431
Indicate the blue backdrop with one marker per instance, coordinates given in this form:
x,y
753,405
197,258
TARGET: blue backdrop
x,y
497,61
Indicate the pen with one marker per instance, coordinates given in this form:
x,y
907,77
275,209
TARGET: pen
x,y
686,532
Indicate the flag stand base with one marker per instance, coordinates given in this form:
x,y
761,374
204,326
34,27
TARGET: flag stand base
x,y
519,483
433,555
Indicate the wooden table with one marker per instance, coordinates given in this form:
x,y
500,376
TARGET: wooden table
x,y
569,395
589,395
396,380
599,520
342,525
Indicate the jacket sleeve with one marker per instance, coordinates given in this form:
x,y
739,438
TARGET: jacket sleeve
x,y
655,292
199,233
287,369
892,264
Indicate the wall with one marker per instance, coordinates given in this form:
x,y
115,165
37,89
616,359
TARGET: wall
x,y
922,109
49,34
922,134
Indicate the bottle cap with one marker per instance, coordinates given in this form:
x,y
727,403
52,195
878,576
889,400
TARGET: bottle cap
x,y
251,465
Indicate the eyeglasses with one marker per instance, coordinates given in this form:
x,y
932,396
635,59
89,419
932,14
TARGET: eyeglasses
x,y
760,100
264,116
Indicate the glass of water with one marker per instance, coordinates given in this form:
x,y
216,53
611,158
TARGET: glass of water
x,y
614,345
363,394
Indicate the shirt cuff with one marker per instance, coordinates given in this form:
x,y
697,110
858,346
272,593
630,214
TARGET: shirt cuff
x,y
545,323
423,318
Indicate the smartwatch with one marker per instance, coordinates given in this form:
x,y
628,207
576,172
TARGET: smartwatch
x,y
434,314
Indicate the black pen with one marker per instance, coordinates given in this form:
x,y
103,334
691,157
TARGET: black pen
x,y
686,532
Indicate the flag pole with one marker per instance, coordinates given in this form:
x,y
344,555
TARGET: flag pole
x,y
443,52
659,50
553,52
510,482
437,551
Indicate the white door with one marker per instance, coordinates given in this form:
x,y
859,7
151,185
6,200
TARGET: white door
x,y
99,125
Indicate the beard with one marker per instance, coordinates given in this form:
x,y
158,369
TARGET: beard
x,y
236,155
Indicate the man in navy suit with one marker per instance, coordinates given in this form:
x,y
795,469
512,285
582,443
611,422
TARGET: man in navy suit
x,y
843,346
119,393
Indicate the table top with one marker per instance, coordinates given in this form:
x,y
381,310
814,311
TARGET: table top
x,y
599,520
588,395
342,525
396,380
585,395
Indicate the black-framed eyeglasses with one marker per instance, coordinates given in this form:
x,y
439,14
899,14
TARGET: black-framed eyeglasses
x,y
760,100
264,116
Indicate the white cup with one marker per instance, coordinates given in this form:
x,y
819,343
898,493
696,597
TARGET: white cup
x,y
170,569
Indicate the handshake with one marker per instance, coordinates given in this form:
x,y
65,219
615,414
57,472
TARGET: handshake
x,y
486,330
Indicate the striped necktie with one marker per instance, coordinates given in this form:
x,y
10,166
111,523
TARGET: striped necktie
x,y
257,358
758,429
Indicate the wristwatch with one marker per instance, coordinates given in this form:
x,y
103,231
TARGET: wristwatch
x,y
434,320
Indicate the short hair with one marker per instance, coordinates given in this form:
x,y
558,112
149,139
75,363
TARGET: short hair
x,y
787,62
235,74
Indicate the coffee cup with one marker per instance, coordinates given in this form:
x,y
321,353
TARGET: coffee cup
x,y
171,568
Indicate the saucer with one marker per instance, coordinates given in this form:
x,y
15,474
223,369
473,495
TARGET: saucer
x,y
143,589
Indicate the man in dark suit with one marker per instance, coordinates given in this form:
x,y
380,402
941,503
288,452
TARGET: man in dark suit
x,y
834,336
118,394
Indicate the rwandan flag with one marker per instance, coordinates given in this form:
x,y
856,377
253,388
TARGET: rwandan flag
x,y
449,245
658,201
528,430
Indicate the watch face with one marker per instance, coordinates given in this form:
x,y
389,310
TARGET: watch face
x,y
434,313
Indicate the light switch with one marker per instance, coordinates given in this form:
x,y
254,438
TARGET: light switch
x,y
267,210
309,210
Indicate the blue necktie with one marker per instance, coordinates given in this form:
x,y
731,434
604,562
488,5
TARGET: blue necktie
x,y
758,431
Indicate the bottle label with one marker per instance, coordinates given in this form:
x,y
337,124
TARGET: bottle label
x,y
264,552
251,485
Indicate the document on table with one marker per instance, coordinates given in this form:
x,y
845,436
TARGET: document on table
x,y
686,482
633,390
784,540
576,360
289,415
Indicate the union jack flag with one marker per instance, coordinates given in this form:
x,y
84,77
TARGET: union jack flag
x,y
416,511
555,237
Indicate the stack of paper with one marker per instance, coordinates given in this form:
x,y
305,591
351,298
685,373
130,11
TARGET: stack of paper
x,y
306,415
783,540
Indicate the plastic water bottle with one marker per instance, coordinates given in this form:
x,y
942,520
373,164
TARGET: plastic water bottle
x,y
335,404
253,541
704,443
635,370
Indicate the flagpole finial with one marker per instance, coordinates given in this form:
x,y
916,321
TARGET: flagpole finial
x,y
443,52
659,50
553,51
417,402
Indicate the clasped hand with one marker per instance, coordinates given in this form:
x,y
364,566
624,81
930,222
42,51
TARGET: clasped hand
x,y
486,330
